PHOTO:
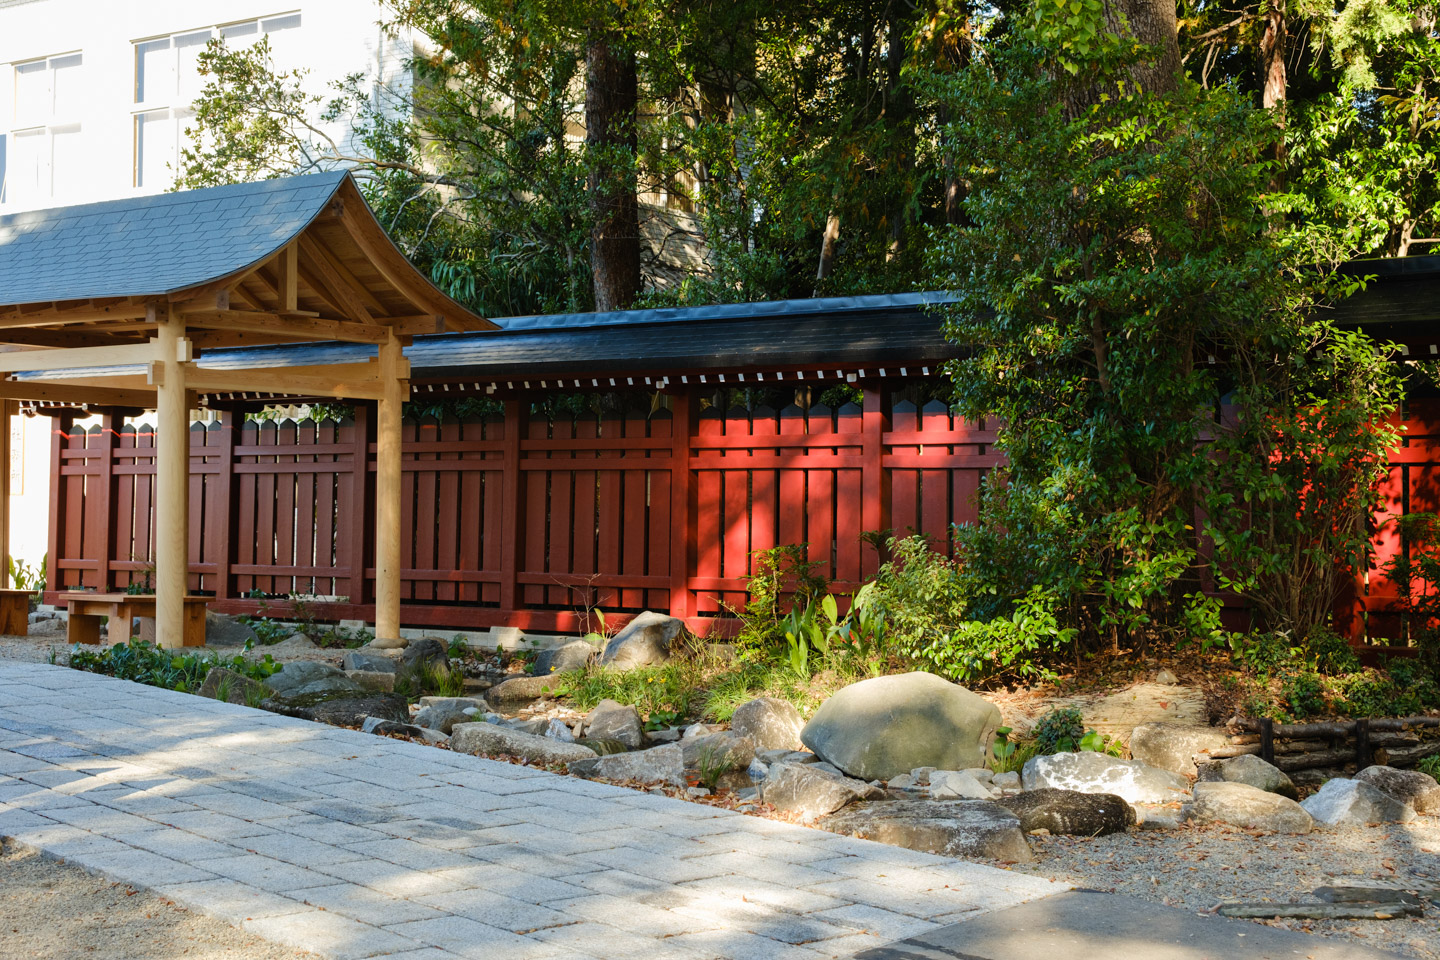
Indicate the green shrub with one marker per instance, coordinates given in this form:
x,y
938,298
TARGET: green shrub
x,y
1430,765
1059,731
1264,654
920,592
430,680
1021,645
1331,653
143,662
1305,694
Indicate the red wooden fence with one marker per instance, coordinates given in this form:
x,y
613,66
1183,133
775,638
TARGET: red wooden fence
x,y
521,519
526,520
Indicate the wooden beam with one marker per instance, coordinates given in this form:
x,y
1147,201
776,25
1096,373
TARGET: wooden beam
x,y
116,356
42,391
371,304
287,263
320,270
41,315
72,336
308,328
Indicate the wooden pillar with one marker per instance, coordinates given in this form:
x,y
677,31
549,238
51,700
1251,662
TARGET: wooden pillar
x,y
387,490
172,482
8,409
60,427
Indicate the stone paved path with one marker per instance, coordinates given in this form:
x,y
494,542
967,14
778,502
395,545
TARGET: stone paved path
x,y
353,845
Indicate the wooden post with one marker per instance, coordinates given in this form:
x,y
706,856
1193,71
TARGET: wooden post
x,y
172,482
60,427
387,491
103,503
875,479
681,525
7,411
1267,739
1363,753
512,511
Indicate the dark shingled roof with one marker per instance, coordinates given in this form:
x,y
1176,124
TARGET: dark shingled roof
x,y
149,246
874,330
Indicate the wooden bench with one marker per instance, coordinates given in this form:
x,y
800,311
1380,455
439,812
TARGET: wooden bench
x,y
88,610
15,612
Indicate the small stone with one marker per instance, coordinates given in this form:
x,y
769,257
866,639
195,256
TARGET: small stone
x,y
922,775
644,641
723,749
387,643
379,725
523,688
981,774
559,730
954,785
668,735
1163,675
697,792
222,630
903,782
1071,813
444,714
966,829
1249,807
490,738
428,651
373,662
1412,787
615,721
810,792
1353,803
749,793
295,643
658,765
770,722
1006,781
566,658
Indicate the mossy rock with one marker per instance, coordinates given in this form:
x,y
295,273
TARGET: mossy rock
x,y
603,746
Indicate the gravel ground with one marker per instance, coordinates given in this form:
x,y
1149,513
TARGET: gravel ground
x,y
1198,867
51,911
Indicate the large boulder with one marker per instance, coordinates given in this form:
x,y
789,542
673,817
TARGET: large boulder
x,y
223,630
308,678
1174,746
427,651
1088,772
615,721
1354,803
375,681
659,765
1250,807
341,710
295,644
880,728
967,829
369,662
567,658
802,789
444,713
237,687
644,641
522,688
493,739
772,724
1417,789
1070,812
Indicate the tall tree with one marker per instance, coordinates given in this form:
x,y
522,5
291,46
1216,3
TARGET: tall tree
x,y
611,105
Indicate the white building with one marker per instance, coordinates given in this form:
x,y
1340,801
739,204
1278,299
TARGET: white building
x,y
94,99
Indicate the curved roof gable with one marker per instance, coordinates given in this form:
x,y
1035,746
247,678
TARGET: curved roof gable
x,y
103,261
148,246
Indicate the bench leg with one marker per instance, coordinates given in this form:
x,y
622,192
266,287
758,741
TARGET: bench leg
x,y
15,616
194,625
83,628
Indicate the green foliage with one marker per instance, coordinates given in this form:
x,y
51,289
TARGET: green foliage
x,y
1265,653
25,577
1414,571
429,679
1304,695
146,663
1330,653
1059,731
669,690
712,763
1430,765
1063,731
778,573
1021,645
920,592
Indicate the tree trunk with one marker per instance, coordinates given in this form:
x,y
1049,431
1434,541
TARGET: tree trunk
x,y
827,251
1153,23
611,100
899,115
1272,55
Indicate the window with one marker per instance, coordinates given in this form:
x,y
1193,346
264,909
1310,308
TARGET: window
x,y
168,81
41,157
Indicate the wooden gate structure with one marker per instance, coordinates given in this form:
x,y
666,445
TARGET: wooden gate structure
x,y
119,303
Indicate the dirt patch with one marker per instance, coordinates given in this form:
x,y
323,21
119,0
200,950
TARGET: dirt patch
x,y
52,911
